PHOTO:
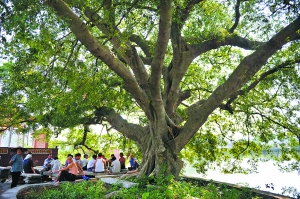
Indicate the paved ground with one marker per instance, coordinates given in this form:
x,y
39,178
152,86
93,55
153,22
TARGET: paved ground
x,y
8,193
4,187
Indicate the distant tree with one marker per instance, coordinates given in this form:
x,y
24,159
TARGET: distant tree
x,y
169,74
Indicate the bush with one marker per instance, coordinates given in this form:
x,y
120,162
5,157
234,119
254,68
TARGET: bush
x,y
147,188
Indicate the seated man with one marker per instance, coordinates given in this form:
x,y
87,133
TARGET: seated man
x,y
55,165
122,161
66,163
100,164
110,160
115,166
91,163
77,159
133,163
47,163
70,172
85,161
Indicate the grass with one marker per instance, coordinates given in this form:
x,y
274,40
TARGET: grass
x,y
147,188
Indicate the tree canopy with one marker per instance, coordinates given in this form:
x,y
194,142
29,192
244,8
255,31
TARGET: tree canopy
x,y
181,78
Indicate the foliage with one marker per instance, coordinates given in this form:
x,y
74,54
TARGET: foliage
x,y
85,189
291,191
172,189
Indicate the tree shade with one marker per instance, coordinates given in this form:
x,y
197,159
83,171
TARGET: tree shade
x,y
181,78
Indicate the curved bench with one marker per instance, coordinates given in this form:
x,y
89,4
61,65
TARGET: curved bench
x,y
31,178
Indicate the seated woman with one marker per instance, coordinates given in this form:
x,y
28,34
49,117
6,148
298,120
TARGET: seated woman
x,y
70,172
28,164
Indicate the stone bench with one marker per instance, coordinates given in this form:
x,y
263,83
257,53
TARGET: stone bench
x,y
90,173
31,178
125,184
4,172
48,173
108,176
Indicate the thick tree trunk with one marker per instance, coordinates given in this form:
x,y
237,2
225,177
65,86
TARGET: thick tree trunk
x,y
159,158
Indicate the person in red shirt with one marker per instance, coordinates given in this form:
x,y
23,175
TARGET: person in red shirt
x,y
122,161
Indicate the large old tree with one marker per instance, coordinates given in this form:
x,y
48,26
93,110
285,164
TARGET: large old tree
x,y
167,74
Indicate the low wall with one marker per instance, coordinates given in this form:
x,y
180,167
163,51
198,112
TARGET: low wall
x,y
39,154
255,192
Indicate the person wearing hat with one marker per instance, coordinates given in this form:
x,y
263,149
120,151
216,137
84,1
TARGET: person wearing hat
x,y
16,163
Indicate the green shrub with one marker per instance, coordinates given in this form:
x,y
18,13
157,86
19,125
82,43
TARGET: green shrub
x,y
147,188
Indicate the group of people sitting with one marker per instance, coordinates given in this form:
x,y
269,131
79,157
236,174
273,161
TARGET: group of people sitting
x,y
99,164
73,166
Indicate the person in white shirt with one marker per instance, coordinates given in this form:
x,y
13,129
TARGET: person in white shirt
x,y
55,164
91,163
100,164
77,159
47,165
85,161
115,166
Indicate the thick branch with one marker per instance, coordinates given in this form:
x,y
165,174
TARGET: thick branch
x,y
179,67
158,61
215,43
161,46
127,52
131,131
142,44
241,75
85,132
82,33
183,13
255,83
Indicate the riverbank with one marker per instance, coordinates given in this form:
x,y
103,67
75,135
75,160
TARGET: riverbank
x,y
267,174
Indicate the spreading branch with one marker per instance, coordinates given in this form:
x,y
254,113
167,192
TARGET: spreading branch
x,y
237,16
262,77
131,131
82,33
240,76
198,49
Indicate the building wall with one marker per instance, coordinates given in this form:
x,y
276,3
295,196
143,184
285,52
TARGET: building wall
x,y
39,154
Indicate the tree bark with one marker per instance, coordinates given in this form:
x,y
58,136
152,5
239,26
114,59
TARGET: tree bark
x,y
159,157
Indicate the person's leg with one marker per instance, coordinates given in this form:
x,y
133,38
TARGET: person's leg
x,y
15,178
66,176
62,175
70,177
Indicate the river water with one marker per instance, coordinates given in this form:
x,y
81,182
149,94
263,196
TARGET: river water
x,y
267,174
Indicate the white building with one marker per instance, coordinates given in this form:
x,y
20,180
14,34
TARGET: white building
x,y
13,138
